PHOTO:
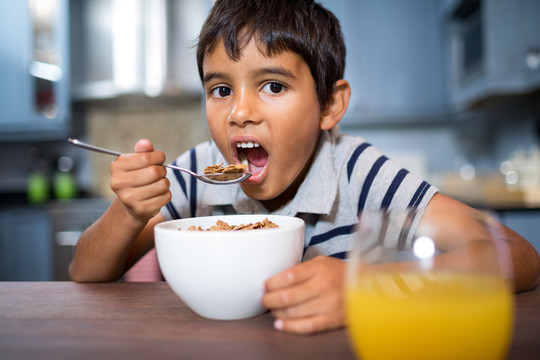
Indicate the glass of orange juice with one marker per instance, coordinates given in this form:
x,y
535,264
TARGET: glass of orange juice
x,y
429,288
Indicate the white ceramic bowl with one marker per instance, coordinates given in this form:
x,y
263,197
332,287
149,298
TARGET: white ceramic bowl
x,y
221,274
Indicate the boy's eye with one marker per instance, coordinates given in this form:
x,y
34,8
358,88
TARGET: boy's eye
x,y
221,91
273,87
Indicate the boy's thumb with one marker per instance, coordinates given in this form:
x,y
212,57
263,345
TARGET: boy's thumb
x,y
144,145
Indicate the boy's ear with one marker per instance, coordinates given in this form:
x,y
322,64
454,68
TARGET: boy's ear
x,y
337,106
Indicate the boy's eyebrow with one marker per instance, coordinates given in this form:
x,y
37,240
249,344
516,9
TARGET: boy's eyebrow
x,y
277,70
212,75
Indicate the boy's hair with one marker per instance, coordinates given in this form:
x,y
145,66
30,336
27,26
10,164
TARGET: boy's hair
x,y
301,26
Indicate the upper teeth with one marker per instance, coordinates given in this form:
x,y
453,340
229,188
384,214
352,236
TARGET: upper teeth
x,y
248,144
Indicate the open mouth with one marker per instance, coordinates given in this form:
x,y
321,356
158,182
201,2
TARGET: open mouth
x,y
252,154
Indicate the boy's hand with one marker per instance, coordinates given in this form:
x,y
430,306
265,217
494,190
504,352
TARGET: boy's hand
x,y
139,181
308,297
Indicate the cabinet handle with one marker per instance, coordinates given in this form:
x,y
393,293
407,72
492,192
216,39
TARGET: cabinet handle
x,y
532,58
67,238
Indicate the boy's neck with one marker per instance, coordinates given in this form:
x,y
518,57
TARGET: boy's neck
x,y
286,196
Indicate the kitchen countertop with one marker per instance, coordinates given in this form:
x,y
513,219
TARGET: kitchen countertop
x,y
121,320
489,191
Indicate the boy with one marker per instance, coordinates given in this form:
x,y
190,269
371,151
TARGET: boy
x,y
272,73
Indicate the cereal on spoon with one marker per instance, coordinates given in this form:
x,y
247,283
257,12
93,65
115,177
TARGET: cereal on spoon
x,y
229,172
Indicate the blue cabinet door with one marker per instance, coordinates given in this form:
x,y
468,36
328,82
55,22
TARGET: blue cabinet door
x,y
504,34
15,37
34,70
395,60
26,252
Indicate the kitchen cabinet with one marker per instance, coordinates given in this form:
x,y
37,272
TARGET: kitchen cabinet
x,y
37,241
395,61
69,219
34,70
25,244
493,49
138,48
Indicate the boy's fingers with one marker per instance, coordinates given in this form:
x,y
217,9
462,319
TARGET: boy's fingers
x,y
140,177
307,325
135,161
309,308
295,275
150,207
149,191
144,145
289,296
330,304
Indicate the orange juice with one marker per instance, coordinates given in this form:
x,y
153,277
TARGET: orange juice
x,y
438,316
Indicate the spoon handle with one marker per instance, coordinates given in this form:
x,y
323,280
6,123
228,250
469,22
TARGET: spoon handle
x,y
86,146
93,148
208,178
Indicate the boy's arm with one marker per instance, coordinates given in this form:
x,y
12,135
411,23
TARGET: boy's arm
x,y
453,217
111,245
125,232
309,297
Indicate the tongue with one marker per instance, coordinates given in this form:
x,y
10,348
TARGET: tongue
x,y
257,156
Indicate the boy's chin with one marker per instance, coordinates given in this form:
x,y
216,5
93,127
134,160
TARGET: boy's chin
x,y
256,192
271,199
253,191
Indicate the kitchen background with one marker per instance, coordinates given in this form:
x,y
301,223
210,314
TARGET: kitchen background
x,y
448,88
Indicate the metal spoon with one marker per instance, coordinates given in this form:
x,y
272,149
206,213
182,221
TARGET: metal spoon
x,y
228,178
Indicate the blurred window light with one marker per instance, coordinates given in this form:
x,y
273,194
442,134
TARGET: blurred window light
x,y
532,59
506,166
45,71
511,177
155,47
43,12
467,172
50,111
424,247
126,26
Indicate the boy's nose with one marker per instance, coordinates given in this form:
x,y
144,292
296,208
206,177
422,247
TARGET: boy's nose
x,y
244,111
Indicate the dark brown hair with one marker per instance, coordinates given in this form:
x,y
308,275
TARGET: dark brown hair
x,y
301,26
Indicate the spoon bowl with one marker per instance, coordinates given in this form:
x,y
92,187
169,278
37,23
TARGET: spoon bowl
x,y
216,179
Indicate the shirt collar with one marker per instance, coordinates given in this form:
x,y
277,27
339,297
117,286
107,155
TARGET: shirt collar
x,y
316,194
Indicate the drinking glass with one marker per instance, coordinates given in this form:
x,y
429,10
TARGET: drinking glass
x,y
432,288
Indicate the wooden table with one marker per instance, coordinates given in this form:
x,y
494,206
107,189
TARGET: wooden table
x,y
65,320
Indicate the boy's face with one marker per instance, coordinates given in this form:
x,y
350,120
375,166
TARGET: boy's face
x,y
263,111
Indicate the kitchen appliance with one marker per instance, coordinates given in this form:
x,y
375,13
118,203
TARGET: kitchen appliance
x,y
69,219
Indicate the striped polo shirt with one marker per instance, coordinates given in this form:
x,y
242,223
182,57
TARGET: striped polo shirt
x,y
347,175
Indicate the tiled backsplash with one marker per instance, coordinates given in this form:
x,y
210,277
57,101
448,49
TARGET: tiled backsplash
x,y
172,128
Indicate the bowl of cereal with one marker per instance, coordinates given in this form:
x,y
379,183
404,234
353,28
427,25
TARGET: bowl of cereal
x,y
218,264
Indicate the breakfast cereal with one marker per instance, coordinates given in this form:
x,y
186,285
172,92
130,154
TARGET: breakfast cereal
x,y
222,225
